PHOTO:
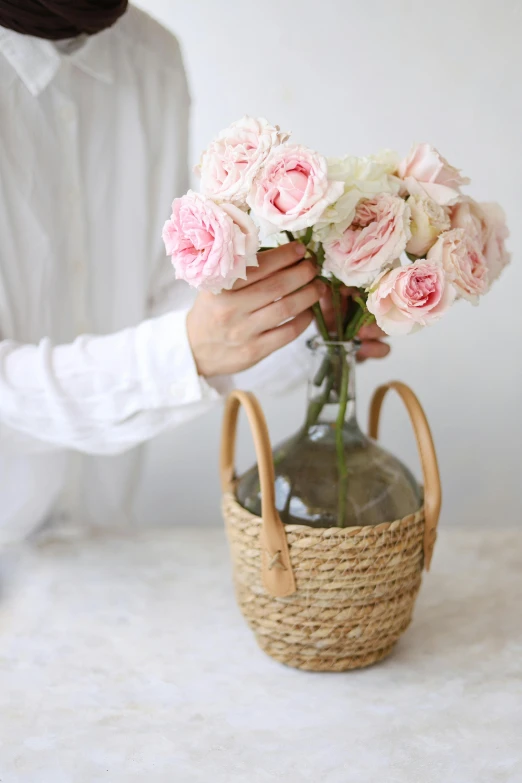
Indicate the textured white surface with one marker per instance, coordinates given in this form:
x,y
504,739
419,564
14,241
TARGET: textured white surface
x,y
125,659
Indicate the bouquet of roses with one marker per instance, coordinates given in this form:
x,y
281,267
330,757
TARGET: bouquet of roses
x,y
398,232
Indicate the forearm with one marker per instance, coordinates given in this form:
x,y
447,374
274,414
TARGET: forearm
x,y
102,394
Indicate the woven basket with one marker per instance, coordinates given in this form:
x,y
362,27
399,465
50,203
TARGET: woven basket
x,y
326,599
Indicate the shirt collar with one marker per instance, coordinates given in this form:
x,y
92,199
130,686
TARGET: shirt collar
x,y
37,60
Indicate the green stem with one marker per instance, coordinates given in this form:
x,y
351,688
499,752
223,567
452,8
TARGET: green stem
x,y
354,326
336,301
290,236
340,379
308,236
339,441
315,407
321,372
321,323
360,318
319,317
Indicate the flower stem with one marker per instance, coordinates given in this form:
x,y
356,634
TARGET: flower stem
x,y
358,320
322,371
321,323
342,474
315,408
308,236
336,301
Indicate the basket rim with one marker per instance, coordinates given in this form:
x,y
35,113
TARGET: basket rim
x,y
333,532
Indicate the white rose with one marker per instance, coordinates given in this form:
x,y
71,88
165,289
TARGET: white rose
x,y
362,178
373,174
428,220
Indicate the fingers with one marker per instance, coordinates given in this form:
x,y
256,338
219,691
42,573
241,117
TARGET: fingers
x,y
327,310
271,261
372,346
348,291
277,285
373,349
371,332
271,341
290,306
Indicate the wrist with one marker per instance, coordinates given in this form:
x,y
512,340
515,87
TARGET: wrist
x,y
197,344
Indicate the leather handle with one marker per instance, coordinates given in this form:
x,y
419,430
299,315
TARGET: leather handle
x,y
276,569
428,457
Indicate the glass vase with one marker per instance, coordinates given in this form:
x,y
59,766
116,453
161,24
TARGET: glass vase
x,y
330,474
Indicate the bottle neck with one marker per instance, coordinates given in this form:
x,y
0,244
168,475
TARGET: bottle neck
x,y
331,385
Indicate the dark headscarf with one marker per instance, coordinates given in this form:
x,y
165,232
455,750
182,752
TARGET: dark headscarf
x,y
59,19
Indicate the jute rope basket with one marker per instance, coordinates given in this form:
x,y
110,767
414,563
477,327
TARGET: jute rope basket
x,y
326,599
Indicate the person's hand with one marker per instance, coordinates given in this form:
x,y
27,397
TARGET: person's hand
x,y
234,330
372,344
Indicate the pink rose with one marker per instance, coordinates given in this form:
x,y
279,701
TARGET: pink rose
x,y
496,233
409,297
374,240
426,172
486,223
211,246
231,162
292,189
461,256
469,215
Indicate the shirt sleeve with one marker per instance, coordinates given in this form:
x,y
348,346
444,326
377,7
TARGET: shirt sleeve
x,y
277,374
101,395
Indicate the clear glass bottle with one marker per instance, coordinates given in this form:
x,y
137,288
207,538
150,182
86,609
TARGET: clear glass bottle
x,y
330,473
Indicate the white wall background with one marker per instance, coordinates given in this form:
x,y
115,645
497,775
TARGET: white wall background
x,y
352,77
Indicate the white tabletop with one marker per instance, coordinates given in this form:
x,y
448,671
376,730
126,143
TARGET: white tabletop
x,y
126,659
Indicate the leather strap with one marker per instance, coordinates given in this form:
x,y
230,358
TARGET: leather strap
x,y
276,569
428,457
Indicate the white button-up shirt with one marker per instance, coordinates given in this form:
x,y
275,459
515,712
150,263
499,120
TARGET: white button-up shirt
x,y
94,356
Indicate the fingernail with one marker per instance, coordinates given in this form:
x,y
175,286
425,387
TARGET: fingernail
x,y
300,250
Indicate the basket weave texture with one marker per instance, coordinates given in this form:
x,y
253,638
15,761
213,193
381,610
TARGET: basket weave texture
x,y
356,588
326,599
